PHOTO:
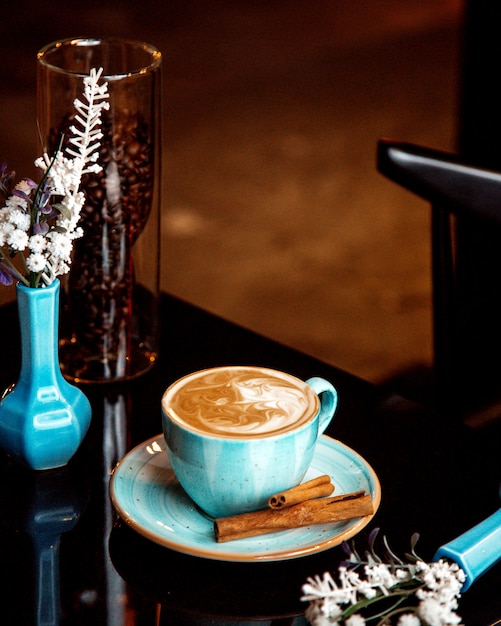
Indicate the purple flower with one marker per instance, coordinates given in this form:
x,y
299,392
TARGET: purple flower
x,y
43,201
20,194
5,276
6,181
40,228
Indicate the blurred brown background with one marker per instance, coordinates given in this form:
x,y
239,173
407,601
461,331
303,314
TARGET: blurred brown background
x,y
274,215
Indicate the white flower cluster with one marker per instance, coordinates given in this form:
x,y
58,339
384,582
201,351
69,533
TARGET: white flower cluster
x,y
434,588
438,599
31,224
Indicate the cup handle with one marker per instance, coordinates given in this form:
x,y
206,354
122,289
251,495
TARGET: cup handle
x,y
328,400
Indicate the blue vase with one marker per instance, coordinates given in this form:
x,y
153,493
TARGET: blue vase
x,y
43,418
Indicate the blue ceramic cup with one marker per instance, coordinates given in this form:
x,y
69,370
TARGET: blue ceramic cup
x,y
237,434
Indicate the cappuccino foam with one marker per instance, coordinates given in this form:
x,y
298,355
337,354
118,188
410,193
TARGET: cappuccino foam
x,y
240,402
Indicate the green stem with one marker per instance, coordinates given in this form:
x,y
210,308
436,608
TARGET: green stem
x,y
34,278
399,596
389,616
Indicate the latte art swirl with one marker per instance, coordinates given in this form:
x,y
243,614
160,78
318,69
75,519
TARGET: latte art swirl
x,y
240,402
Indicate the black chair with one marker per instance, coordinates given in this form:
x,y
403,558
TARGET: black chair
x,y
466,270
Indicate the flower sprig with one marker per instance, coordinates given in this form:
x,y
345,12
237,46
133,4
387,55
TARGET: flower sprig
x,y
385,591
38,222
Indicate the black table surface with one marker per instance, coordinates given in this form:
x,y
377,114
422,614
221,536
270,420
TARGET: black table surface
x,y
66,558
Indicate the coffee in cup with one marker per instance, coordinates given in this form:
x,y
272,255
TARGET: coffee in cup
x,y
237,434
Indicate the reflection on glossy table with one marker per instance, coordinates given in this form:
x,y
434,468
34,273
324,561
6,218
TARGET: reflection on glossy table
x,y
66,558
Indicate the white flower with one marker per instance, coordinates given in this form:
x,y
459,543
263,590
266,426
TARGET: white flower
x,y
19,218
14,202
436,587
402,574
59,245
323,613
43,162
36,262
23,186
59,266
6,226
443,582
78,232
65,174
37,243
434,613
94,168
17,239
363,587
318,587
408,619
328,588
355,620
5,229
380,576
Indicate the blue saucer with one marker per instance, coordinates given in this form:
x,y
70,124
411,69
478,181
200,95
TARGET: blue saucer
x,y
148,497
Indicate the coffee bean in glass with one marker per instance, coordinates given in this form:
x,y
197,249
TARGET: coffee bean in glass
x,y
109,317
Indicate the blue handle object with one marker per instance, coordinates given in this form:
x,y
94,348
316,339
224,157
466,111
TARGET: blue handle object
x,y
476,550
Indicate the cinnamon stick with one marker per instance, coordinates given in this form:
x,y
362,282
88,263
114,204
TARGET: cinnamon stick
x,y
320,511
311,489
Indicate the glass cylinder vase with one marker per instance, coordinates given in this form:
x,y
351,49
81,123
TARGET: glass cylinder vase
x,y
109,326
